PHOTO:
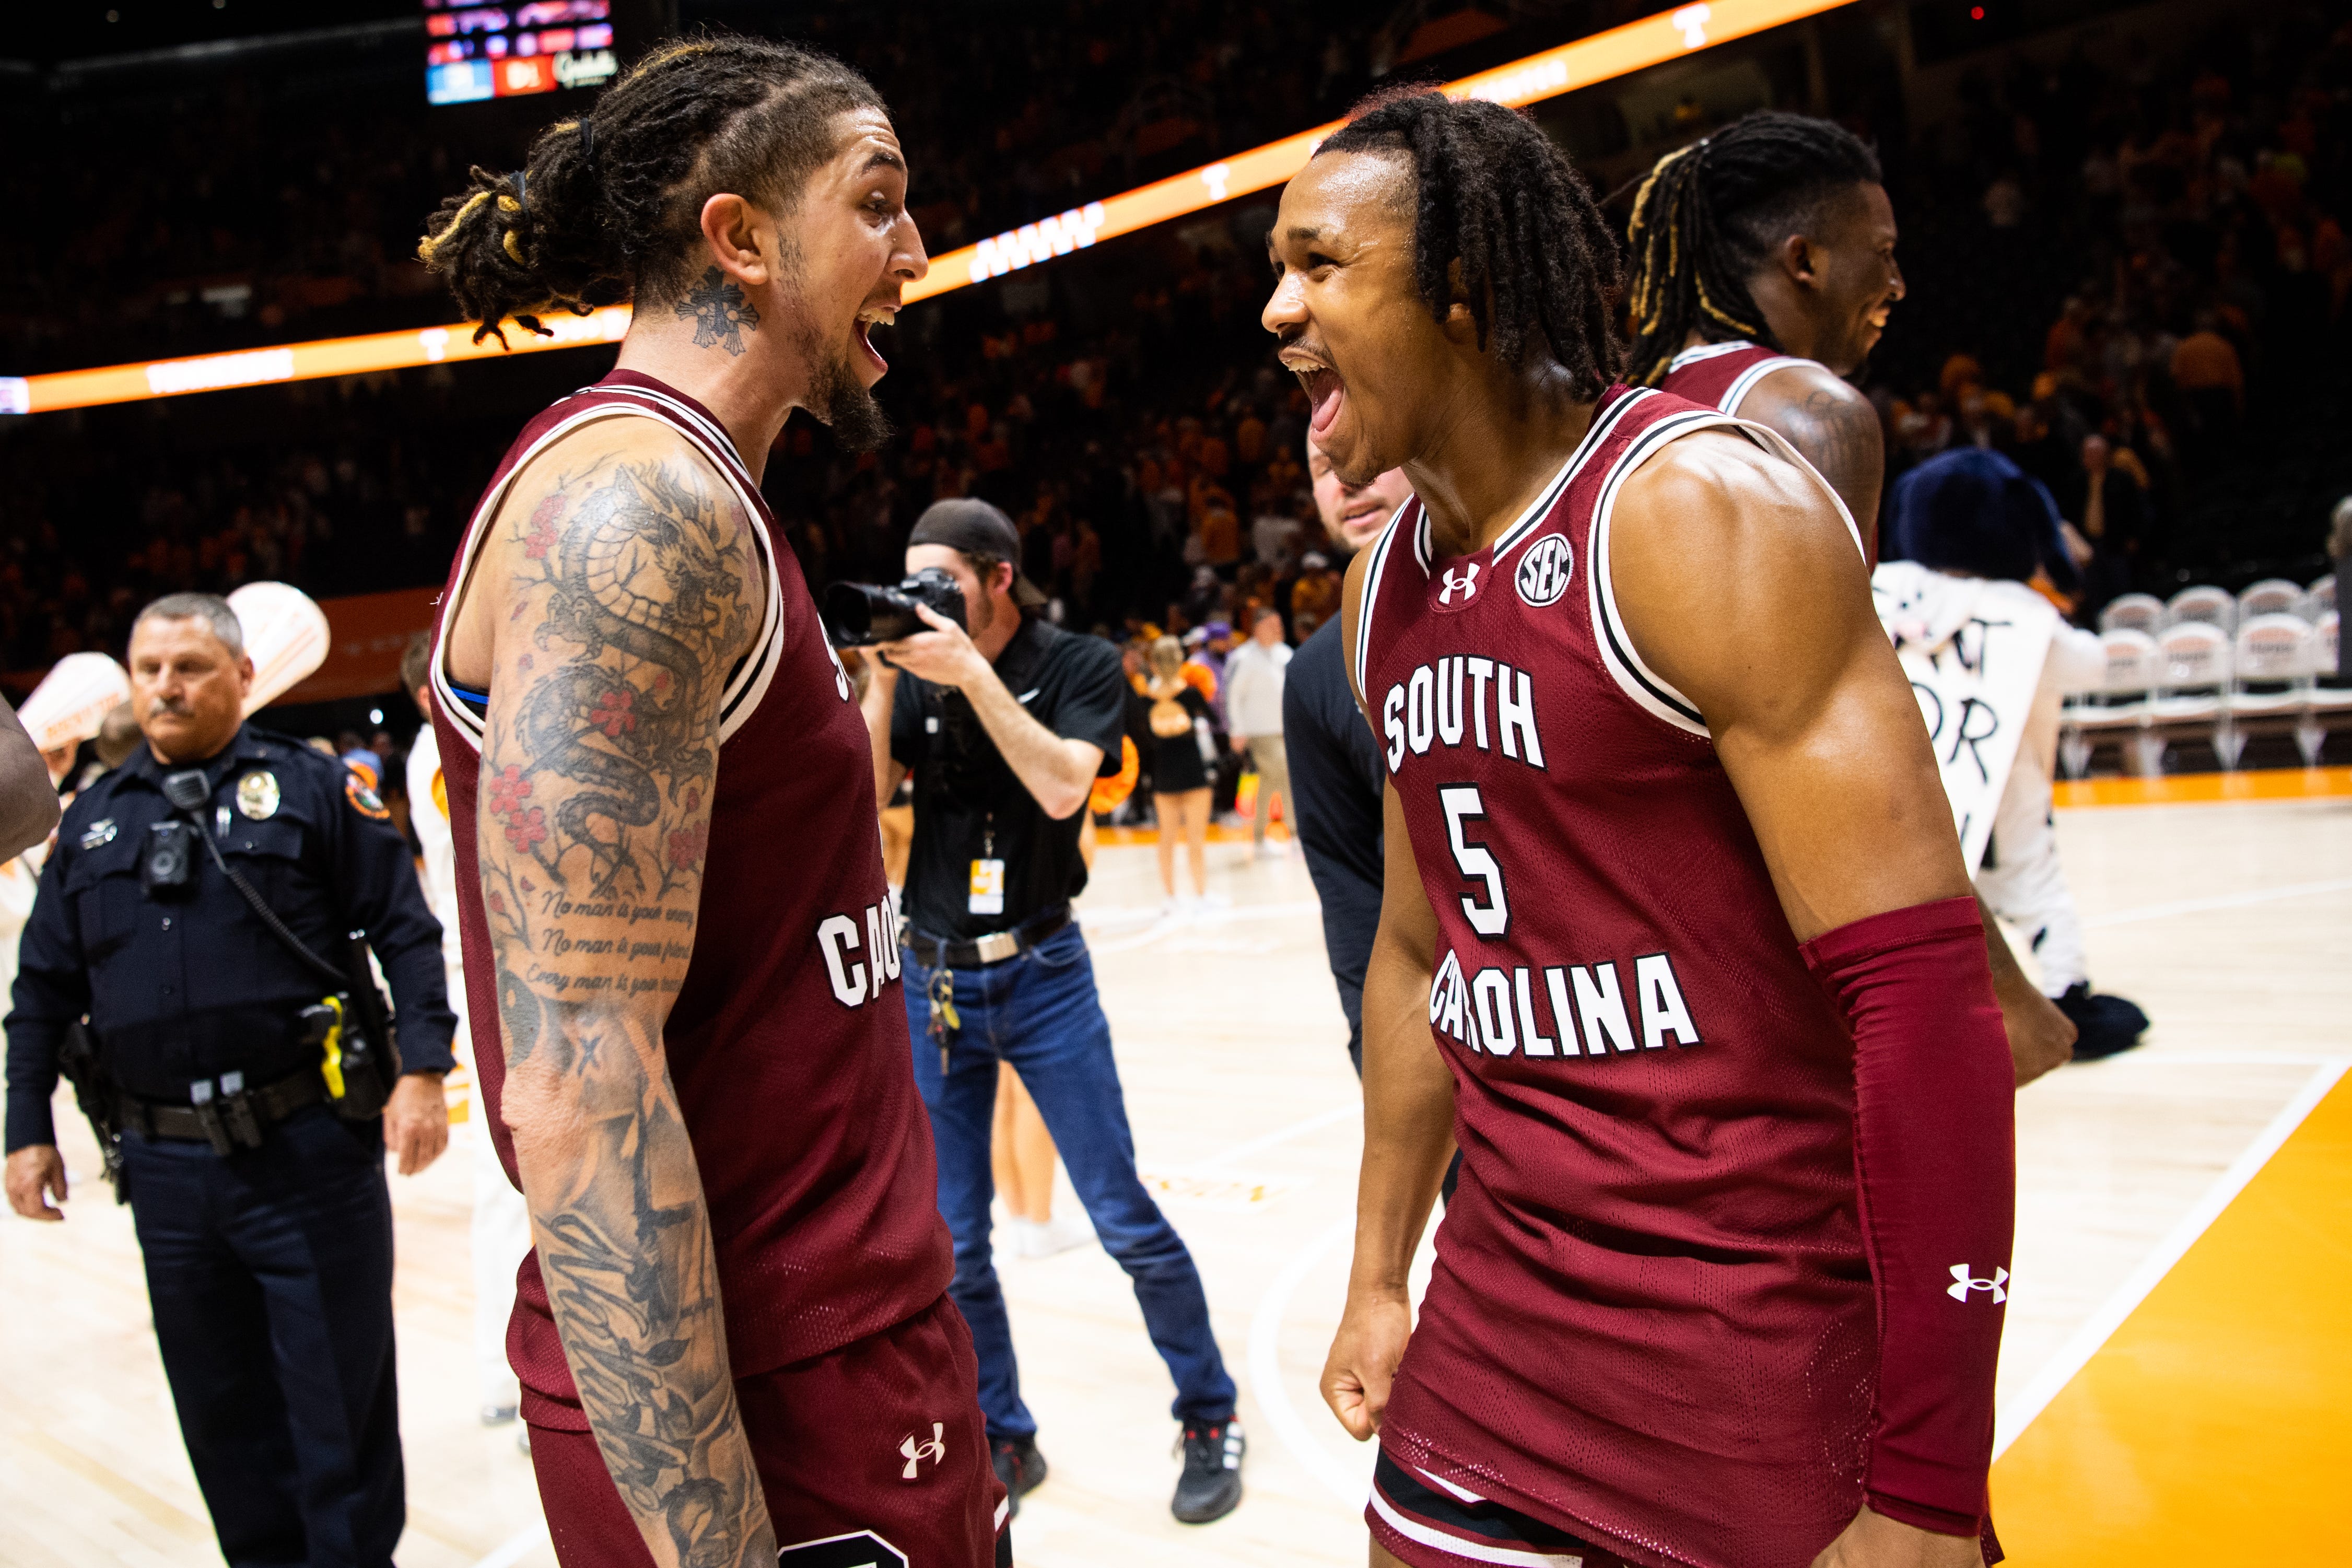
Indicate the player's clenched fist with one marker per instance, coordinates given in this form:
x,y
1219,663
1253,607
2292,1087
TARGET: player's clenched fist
x,y
1363,1360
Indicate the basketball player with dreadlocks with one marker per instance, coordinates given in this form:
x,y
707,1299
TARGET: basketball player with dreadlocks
x,y
1763,272
1675,942
733,1332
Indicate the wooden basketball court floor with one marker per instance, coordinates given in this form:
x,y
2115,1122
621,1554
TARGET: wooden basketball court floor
x,y
2174,1386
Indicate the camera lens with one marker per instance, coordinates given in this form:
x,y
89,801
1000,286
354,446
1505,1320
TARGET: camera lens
x,y
858,615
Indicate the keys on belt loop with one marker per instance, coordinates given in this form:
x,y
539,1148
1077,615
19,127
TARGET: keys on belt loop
x,y
944,1020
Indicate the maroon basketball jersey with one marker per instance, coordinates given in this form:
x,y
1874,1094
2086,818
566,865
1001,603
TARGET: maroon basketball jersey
x,y
788,1042
1651,1320
1721,375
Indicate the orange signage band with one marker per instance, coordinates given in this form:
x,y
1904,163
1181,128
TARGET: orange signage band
x,y
1636,45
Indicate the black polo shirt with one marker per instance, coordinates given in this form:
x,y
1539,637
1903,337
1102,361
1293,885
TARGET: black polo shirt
x,y
969,805
188,986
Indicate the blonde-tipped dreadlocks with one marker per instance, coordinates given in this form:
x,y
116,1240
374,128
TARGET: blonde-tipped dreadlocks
x,y
609,206
1709,214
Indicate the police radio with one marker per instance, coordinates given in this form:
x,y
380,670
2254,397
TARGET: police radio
x,y
352,1026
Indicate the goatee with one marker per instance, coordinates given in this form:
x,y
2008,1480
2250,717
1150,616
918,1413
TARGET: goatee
x,y
857,420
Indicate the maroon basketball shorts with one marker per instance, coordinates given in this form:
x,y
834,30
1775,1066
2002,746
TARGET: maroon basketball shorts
x,y
873,1454
1432,1524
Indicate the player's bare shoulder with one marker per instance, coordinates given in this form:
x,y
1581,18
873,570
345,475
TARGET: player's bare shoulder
x,y
1715,502
632,539
1831,424
1733,569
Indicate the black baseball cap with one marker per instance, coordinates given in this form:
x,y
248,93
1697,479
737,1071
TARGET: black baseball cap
x,y
973,526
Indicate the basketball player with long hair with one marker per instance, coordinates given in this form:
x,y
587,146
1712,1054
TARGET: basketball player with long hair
x,y
1763,272
1676,941
732,1332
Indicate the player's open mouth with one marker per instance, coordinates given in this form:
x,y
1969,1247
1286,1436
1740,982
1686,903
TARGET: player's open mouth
x,y
1877,317
869,319
1325,392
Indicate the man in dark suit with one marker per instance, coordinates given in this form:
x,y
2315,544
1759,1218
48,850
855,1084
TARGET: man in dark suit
x,y
1334,764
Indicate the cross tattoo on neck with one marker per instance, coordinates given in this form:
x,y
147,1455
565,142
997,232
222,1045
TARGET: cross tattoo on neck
x,y
719,316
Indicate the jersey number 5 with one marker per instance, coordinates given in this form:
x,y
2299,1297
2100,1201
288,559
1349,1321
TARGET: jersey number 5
x,y
1461,805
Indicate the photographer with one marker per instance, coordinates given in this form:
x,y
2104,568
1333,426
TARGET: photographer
x,y
253,1130
1006,728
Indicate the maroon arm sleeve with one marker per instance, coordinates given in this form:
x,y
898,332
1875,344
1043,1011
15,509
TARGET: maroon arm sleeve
x,y
1935,1163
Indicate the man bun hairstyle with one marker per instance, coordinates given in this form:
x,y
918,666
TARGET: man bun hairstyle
x,y
609,206
1540,265
1709,214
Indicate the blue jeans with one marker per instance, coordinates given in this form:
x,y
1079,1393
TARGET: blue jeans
x,y
1039,1012
269,1271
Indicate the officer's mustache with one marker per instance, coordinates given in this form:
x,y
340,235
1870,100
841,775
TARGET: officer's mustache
x,y
177,707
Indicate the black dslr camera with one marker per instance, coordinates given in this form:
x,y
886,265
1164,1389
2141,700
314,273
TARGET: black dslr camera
x,y
859,615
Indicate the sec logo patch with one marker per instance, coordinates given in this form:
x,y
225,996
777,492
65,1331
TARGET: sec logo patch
x,y
1544,571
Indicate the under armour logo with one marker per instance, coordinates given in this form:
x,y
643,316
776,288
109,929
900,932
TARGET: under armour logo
x,y
1963,1282
1467,586
935,1450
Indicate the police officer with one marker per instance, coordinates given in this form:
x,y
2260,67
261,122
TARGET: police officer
x,y
1005,726
262,1214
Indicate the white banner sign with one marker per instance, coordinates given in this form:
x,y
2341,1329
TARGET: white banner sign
x,y
1973,648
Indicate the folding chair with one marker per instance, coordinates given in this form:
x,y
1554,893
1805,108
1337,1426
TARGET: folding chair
x,y
2271,596
2206,603
2319,598
2192,689
2270,689
2133,613
2117,712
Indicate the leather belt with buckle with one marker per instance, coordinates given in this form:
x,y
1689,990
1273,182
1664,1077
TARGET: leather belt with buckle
x,y
228,1115
994,948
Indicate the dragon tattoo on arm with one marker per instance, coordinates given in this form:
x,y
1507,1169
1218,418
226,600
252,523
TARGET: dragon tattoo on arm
x,y
630,590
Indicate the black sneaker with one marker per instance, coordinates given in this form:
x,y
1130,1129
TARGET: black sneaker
x,y
1210,1486
2103,1026
1019,1466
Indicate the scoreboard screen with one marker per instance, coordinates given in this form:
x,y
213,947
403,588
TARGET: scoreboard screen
x,y
474,51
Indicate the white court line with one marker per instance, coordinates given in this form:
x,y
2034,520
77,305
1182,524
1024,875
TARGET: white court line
x,y
2159,1057
516,1549
2061,1368
1265,1371
2221,902
1168,924
1280,1135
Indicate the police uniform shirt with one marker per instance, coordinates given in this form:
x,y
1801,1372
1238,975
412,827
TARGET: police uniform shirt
x,y
188,985
969,805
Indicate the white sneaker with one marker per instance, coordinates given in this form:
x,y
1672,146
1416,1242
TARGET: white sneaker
x,y
1063,1233
1272,849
